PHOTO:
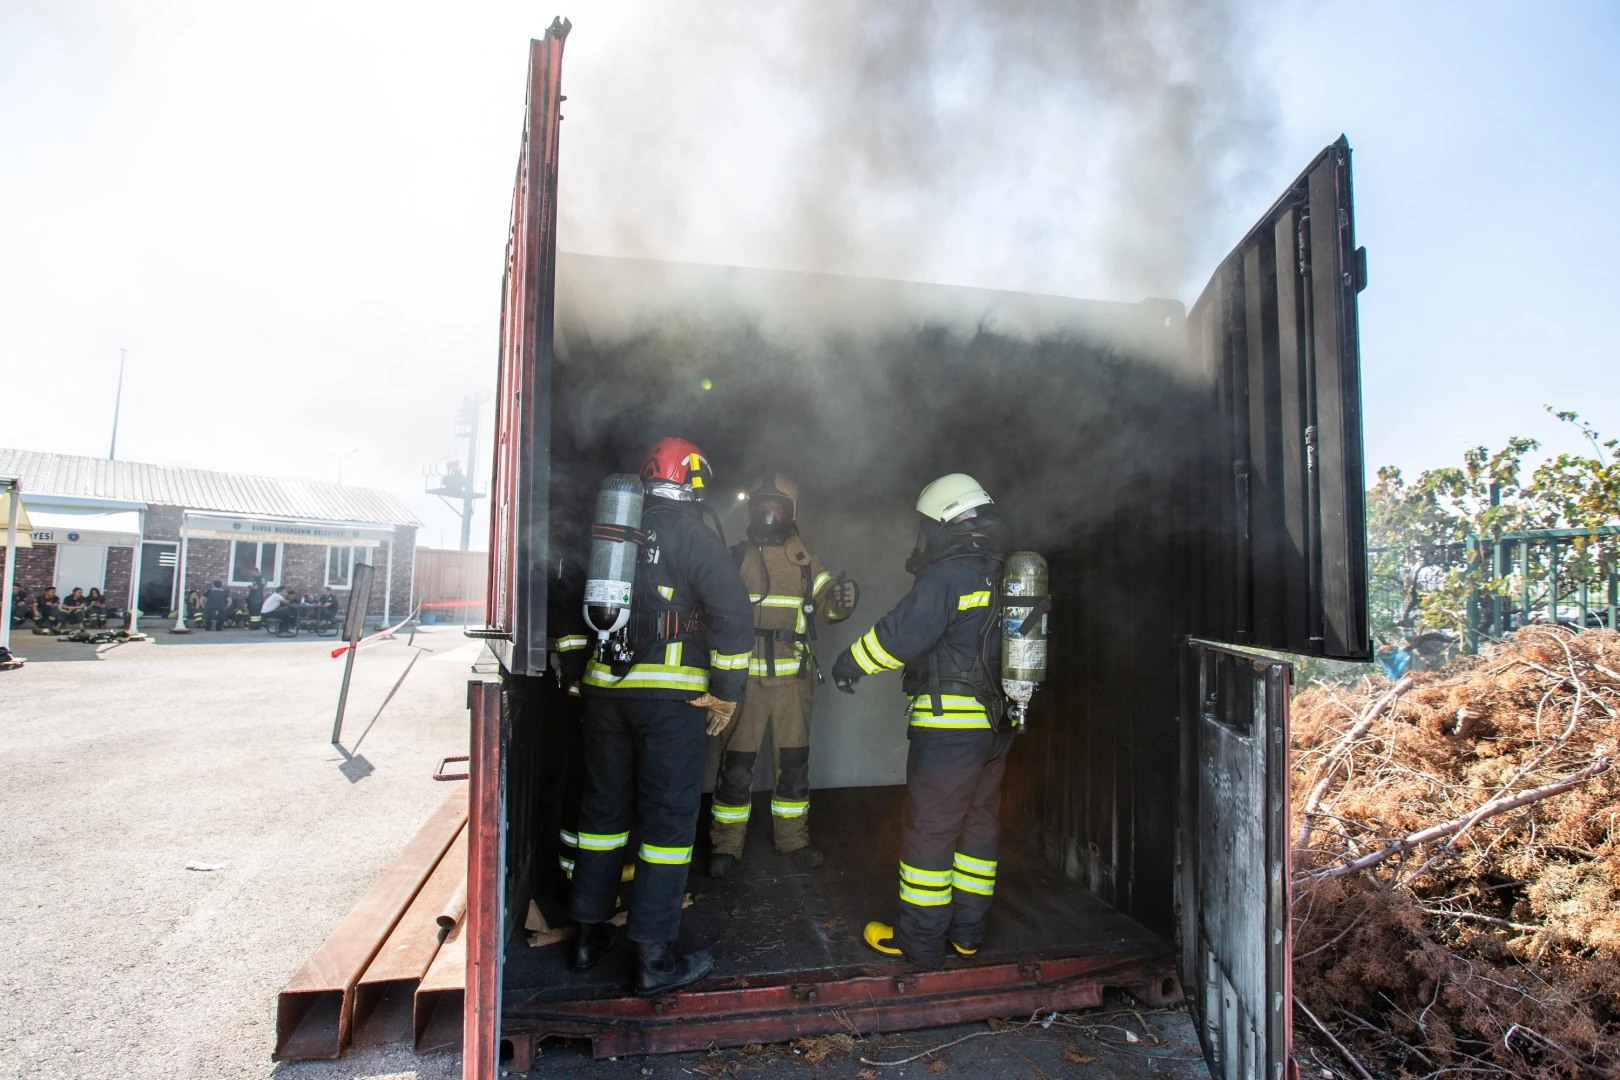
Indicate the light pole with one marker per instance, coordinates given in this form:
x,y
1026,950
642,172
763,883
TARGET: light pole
x,y
340,458
118,399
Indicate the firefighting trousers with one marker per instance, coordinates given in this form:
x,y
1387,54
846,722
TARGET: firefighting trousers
x,y
643,760
950,828
781,707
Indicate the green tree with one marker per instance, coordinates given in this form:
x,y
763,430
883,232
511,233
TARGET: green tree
x,y
1426,568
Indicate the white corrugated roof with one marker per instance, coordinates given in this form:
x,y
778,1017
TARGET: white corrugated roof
x,y
200,489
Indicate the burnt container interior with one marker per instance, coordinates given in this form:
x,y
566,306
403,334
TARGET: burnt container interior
x,y
1081,419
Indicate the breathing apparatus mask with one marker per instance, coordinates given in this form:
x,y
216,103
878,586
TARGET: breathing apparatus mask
x,y
770,520
974,530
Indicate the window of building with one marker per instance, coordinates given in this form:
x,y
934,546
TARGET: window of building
x,y
248,557
340,564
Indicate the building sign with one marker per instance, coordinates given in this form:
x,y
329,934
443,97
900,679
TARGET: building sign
x,y
268,531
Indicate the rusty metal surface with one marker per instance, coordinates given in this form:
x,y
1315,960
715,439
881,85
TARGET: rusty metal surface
x,y
443,773
314,1010
1235,937
486,874
519,485
777,1011
436,1013
385,995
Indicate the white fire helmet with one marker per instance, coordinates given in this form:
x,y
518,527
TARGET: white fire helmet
x,y
951,495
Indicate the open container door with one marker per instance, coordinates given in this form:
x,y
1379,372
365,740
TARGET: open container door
x,y
519,511
1278,561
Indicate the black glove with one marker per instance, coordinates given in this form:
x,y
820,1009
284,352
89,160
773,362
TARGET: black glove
x,y
846,673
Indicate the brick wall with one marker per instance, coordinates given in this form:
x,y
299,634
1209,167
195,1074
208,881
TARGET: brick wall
x,y
36,566
120,564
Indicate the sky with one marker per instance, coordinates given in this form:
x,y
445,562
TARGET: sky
x,y
293,217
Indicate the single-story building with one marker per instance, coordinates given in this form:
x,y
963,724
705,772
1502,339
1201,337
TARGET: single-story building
x,y
129,528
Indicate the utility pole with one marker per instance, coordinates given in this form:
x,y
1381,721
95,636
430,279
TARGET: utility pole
x,y
453,481
340,458
118,400
467,426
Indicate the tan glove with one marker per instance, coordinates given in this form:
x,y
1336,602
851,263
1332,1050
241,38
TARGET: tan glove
x,y
720,712
844,595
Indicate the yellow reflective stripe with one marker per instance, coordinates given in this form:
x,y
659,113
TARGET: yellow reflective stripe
x,y
652,676
863,659
573,642
666,591
879,653
954,706
590,841
966,722
567,866
776,600
723,812
821,579
672,654
924,897
573,691
969,883
973,600
982,867
729,661
936,878
798,622
571,839
790,807
785,665
665,856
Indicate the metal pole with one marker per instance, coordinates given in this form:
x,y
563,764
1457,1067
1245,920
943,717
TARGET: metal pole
x,y
135,571
180,626
1471,637
11,560
1552,586
388,583
118,400
343,694
1583,603
472,453
1614,596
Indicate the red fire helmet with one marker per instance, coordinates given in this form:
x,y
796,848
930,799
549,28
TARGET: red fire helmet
x,y
678,462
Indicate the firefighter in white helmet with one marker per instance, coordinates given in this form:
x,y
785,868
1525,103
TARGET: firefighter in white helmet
x,y
951,822
789,588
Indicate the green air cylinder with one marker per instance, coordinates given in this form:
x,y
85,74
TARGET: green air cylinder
x,y
1023,648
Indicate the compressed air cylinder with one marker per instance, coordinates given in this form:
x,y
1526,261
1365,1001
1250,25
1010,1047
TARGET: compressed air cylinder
x,y
615,549
1023,648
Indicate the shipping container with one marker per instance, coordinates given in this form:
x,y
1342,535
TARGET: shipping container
x,y
1194,479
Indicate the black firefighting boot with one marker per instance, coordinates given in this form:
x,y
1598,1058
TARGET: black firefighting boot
x,y
659,968
720,865
591,941
807,858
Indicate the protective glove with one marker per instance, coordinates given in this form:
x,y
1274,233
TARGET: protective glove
x,y
846,673
844,594
720,712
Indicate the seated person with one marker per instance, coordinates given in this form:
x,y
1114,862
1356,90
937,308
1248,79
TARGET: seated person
x,y
95,608
194,608
329,605
48,610
275,610
73,607
215,601
22,608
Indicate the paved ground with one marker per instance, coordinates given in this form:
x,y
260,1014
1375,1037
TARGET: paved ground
x,y
124,763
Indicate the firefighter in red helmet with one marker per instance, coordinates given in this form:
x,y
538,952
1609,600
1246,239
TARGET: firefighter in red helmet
x,y
788,587
691,632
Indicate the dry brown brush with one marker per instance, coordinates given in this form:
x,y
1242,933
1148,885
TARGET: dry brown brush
x,y
1457,875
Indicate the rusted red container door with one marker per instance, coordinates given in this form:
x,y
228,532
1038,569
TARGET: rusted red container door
x,y
519,490
518,528
1282,494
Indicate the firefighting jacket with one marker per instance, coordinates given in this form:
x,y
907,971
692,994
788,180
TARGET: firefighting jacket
x,y
934,633
692,627
784,580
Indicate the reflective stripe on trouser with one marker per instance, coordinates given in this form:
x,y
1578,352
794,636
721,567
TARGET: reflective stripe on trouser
x,y
949,831
782,708
665,739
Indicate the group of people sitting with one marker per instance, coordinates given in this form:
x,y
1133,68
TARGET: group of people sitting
x,y
217,608
51,613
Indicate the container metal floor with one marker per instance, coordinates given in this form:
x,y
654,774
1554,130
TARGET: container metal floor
x,y
769,921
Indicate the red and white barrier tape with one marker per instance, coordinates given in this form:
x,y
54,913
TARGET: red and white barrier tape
x,y
378,636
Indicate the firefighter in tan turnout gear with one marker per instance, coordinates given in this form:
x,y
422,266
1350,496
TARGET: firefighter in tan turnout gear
x,y
789,587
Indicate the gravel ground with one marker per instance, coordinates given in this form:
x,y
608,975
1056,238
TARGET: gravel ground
x,y
124,763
